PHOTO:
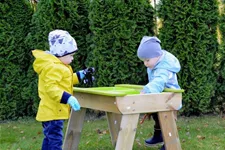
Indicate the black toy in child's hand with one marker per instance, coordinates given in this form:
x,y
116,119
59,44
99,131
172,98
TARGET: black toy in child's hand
x,y
88,76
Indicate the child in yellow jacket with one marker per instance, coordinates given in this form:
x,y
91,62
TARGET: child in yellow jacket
x,y
55,86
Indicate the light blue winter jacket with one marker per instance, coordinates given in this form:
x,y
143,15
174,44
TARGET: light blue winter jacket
x,y
163,75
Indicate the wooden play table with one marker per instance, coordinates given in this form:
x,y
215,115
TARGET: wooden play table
x,y
123,105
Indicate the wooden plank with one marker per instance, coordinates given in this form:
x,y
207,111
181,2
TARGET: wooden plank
x,y
74,128
143,103
98,102
114,121
169,130
127,132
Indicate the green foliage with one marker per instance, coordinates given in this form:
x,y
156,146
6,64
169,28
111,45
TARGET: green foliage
x,y
117,28
22,31
69,15
50,15
189,32
14,26
219,98
110,45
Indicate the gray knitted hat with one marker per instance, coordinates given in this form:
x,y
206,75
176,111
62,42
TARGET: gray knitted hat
x,y
149,48
61,43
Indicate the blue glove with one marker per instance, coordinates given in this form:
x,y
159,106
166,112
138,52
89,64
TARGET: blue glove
x,y
72,101
80,74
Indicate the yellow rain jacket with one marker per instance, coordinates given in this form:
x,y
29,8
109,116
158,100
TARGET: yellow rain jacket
x,y
55,86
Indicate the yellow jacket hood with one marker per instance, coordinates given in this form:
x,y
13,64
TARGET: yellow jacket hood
x,y
43,59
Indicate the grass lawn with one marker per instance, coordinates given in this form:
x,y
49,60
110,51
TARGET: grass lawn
x,y
196,133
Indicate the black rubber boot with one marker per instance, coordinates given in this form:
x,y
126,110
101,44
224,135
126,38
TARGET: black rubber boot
x,y
163,147
157,138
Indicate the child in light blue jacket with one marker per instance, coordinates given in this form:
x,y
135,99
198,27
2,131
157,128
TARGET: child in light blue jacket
x,y
162,67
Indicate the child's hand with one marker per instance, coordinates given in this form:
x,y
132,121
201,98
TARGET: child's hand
x,y
86,75
89,75
72,101
142,92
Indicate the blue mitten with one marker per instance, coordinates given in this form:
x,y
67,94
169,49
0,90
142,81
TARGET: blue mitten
x,y
81,74
72,101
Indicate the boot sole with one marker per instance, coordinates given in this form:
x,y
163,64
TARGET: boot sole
x,y
154,145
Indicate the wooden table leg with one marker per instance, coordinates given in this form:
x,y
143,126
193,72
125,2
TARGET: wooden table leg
x,y
169,130
127,132
114,121
74,128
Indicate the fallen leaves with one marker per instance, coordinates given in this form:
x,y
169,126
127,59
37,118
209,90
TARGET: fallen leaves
x,y
200,137
102,132
138,142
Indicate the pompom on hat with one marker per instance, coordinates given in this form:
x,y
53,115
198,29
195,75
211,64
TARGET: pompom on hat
x,y
149,48
61,43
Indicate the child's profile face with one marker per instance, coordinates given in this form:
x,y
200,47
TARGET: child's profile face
x,y
150,62
67,59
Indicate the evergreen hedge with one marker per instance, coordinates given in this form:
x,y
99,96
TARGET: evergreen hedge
x,y
69,15
110,45
117,28
189,32
14,26
218,100
20,33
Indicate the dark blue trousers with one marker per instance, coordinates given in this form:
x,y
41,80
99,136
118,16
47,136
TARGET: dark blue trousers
x,y
156,119
53,135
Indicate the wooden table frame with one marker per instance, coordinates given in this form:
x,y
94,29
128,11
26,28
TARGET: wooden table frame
x,y
123,116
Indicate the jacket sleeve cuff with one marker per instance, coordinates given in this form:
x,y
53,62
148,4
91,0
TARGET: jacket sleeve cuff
x,y
146,89
75,78
78,76
65,97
